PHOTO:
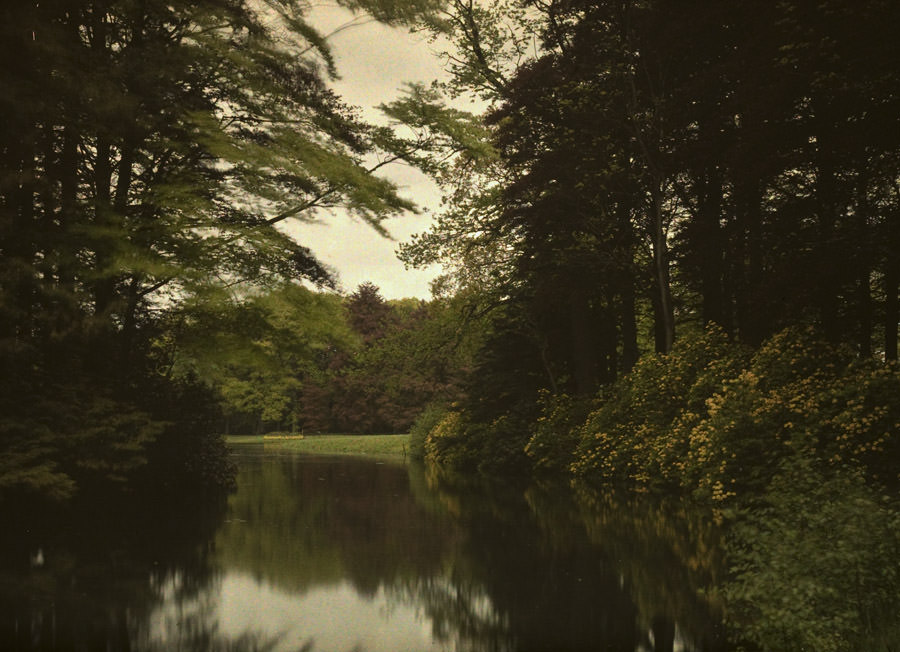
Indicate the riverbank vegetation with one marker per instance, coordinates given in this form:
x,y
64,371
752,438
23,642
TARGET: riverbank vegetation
x,y
685,255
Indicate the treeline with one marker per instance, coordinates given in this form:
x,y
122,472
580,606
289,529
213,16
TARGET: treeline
x,y
301,361
655,167
148,153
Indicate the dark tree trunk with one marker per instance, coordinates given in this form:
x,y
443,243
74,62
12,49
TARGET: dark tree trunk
x,y
751,313
710,242
68,190
104,286
584,349
20,244
826,281
664,312
891,307
627,305
628,322
863,254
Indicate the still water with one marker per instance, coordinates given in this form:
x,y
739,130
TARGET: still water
x,y
349,555
340,554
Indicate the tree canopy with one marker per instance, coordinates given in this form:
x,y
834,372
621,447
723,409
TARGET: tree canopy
x,y
150,153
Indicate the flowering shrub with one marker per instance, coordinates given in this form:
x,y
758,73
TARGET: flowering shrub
x,y
554,436
427,420
798,395
711,420
450,443
630,437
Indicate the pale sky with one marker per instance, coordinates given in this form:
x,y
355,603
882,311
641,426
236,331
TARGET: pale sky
x,y
374,61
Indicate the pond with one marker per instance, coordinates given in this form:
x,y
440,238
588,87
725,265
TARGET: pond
x,y
341,554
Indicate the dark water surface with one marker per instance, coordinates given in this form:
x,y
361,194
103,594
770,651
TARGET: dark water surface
x,y
340,554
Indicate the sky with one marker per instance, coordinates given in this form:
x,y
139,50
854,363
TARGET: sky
x,y
374,61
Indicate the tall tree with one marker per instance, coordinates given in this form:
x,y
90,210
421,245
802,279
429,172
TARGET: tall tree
x,y
152,151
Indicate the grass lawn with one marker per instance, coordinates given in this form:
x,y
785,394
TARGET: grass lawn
x,y
369,445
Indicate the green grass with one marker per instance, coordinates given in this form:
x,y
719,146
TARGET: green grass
x,y
395,446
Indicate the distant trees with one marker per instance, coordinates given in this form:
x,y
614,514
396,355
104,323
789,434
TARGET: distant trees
x,y
410,353
292,359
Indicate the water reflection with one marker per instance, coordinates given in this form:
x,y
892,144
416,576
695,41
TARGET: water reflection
x,y
346,555
350,555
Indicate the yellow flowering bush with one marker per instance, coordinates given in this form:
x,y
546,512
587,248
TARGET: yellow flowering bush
x,y
448,444
628,438
711,420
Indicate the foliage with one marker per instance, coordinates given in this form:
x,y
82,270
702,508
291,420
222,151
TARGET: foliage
x,y
422,427
555,435
628,177
711,420
798,395
450,444
411,353
257,351
634,435
814,564
152,152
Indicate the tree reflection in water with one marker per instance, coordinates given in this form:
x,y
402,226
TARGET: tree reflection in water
x,y
320,554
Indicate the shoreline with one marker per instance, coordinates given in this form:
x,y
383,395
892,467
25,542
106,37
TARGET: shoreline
x,y
393,447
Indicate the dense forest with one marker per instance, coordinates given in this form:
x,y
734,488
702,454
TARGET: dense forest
x,y
669,236
683,222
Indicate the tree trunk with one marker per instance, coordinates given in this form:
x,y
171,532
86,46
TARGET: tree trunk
x,y
863,253
628,321
710,248
827,212
120,208
584,350
709,244
891,307
665,313
627,305
68,189
104,286
753,319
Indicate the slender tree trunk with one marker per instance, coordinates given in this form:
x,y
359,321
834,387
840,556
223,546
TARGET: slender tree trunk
x,y
104,286
753,320
863,254
826,199
628,322
891,306
627,316
121,205
711,250
21,246
709,236
68,194
665,313
584,350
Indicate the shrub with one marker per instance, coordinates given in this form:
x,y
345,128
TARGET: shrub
x,y
502,444
815,565
632,437
451,444
427,420
798,395
554,436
